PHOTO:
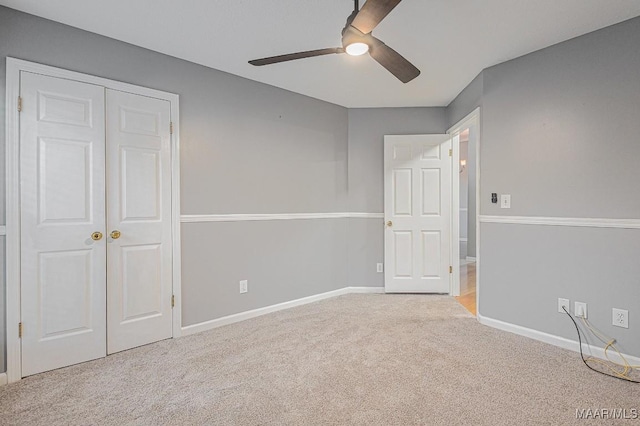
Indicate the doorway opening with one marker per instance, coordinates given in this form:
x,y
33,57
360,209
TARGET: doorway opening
x,y
466,137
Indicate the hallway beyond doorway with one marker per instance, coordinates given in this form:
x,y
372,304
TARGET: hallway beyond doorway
x,y
467,296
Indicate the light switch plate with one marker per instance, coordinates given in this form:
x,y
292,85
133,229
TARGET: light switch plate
x,y
505,201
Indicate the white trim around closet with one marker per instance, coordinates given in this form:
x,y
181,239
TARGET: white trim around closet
x,y
12,228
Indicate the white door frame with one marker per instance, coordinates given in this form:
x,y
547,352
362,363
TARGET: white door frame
x,y
473,118
12,149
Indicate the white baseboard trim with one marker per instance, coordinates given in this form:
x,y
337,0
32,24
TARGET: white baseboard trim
x,y
471,259
366,290
3,379
552,339
201,218
564,221
3,230
230,319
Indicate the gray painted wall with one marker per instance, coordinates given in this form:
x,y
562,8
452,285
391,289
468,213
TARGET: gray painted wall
x,y
282,260
560,128
245,148
526,268
560,134
367,127
251,148
469,99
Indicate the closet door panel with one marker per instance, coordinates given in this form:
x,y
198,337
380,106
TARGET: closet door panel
x,y
62,191
139,286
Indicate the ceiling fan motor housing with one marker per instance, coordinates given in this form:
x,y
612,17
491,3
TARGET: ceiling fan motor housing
x,y
352,35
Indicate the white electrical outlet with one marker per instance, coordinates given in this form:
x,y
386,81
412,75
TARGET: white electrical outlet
x,y
621,318
565,303
580,310
244,286
379,267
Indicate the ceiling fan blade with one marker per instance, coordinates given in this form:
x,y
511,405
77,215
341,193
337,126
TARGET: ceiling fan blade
x,y
294,56
404,70
372,13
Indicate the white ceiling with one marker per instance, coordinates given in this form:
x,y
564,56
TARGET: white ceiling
x,y
450,41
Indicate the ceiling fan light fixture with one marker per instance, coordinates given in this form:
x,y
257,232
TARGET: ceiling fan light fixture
x,y
357,49
357,40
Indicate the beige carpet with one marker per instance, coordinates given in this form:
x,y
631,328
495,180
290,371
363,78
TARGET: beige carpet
x,y
355,359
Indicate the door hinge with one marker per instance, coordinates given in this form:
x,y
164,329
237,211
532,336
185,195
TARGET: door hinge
x,y
173,301
450,269
19,104
450,152
171,127
20,330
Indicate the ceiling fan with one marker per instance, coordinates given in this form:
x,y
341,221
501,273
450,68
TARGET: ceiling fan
x,y
357,40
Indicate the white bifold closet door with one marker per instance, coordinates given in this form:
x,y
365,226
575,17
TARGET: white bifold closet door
x,y
139,283
86,171
62,191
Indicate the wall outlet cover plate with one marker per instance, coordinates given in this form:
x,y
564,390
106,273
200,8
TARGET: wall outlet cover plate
x,y
580,310
561,303
620,318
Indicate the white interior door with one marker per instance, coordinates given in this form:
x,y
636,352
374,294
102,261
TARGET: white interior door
x,y
417,209
62,192
139,276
